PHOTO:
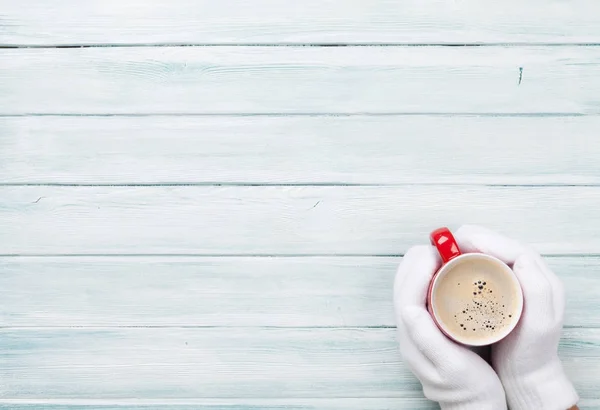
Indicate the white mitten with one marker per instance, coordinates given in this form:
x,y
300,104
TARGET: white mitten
x,y
451,374
527,359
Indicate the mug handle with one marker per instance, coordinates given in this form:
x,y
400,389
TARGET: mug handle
x,y
445,243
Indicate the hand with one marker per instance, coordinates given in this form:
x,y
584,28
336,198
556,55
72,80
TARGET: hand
x,y
527,359
451,374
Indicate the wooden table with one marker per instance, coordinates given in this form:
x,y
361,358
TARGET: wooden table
x,y
203,203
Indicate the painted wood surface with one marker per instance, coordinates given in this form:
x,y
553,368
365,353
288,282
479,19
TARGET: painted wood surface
x,y
231,292
300,150
232,404
239,404
252,404
217,226
230,363
283,220
300,80
58,22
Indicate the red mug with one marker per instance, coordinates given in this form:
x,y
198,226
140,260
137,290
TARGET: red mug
x,y
461,298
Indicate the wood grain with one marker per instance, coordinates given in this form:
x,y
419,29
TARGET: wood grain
x,y
282,220
310,21
305,150
353,403
245,404
300,80
230,363
229,292
225,293
240,404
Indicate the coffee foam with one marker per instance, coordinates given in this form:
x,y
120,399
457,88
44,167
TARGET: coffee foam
x,y
476,300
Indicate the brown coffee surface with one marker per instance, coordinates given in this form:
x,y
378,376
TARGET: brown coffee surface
x,y
476,300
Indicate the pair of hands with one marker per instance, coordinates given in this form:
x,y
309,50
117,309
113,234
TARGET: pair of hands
x,y
526,372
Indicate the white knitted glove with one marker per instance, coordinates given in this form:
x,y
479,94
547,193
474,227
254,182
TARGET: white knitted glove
x,y
527,359
451,374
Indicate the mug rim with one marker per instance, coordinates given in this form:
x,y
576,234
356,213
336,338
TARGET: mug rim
x,y
445,268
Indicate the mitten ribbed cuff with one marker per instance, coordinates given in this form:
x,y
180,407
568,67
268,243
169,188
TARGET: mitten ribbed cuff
x,y
489,405
491,398
547,388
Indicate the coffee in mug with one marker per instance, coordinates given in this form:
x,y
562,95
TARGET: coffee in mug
x,y
475,299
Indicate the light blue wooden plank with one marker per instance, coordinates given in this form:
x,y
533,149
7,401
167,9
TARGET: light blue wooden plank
x,y
267,404
231,404
229,292
236,363
300,80
324,150
271,21
282,220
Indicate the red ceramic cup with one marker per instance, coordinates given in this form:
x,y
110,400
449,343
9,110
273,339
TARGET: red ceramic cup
x,y
461,296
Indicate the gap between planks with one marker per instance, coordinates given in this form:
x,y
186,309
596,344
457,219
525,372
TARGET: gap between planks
x,y
293,184
357,44
296,184
246,255
345,403
274,114
206,327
